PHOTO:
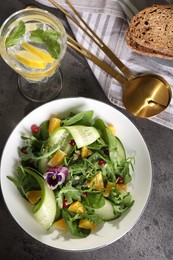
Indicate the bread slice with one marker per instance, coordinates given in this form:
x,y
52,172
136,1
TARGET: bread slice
x,y
150,31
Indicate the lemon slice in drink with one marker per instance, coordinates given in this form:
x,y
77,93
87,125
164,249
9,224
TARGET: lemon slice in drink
x,y
29,59
39,52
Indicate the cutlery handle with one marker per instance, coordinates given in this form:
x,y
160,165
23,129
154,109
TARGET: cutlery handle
x,y
103,65
94,37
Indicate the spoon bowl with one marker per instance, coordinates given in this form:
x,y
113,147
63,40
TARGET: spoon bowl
x,y
146,95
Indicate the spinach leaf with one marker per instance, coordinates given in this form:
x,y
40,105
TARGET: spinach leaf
x,y
110,140
82,118
43,132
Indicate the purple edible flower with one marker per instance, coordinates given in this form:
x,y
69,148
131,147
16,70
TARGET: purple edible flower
x,y
55,176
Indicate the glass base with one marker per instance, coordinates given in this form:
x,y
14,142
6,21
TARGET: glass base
x,y
41,91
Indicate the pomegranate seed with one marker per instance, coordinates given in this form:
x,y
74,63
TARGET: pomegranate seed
x,y
120,180
35,129
72,142
23,150
106,151
101,162
85,194
65,205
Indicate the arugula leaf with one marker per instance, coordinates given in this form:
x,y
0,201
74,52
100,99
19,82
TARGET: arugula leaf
x,y
15,36
79,166
121,200
69,192
120,165
124,169
18,184
23,181
98,144
49,38
73,224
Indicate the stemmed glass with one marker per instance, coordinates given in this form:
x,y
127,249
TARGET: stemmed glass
x,y
33,42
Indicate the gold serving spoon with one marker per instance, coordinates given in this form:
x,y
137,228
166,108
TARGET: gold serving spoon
x,y
143,96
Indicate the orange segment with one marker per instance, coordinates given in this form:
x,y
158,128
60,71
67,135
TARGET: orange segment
x,y
33,196
57,159
77,207
112,129
121,187
84,223
108,188
97,182
110,185
60,224
54,123
85,152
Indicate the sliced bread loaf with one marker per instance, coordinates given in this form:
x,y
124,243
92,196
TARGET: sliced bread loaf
x,y
150,31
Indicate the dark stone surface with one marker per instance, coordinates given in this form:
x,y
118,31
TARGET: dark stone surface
x,y
152,236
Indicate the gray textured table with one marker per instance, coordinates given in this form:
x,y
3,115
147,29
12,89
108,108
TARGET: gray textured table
x,y
152,236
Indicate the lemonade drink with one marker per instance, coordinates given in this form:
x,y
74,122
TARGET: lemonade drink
x,y
33,43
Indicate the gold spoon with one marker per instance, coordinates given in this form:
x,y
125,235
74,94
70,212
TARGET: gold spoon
x,y
143,96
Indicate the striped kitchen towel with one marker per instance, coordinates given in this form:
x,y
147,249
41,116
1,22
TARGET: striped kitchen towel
x,y
110,19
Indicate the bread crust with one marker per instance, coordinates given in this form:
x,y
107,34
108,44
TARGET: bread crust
x,y
150,31
145,51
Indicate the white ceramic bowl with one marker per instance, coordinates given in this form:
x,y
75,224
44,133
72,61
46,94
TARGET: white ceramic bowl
x,y
139,187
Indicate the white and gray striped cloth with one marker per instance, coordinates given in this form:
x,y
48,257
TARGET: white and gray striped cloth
x,y
109,19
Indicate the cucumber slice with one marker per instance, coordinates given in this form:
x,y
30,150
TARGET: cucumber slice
x,y
62,137
120,149
43,164
83,135
57,136
45,210
107,211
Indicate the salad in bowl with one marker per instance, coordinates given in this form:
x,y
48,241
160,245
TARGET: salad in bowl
x,y
75,173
